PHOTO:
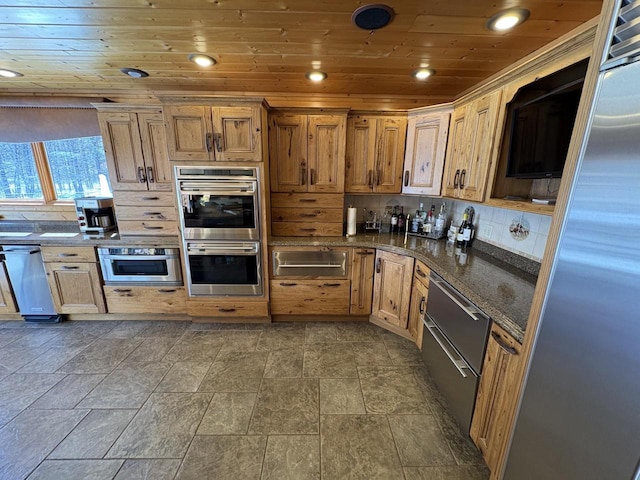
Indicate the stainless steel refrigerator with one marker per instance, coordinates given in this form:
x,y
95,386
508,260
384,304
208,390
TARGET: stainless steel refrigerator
x,y
579,417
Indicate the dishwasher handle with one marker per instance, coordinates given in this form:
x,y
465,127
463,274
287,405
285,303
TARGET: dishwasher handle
x,y
469,309
460,364
21,252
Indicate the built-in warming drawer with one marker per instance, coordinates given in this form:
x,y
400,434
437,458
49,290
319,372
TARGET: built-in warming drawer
x,y
310,263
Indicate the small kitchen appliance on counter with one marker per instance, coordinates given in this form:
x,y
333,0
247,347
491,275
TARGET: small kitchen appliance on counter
x,y
95,215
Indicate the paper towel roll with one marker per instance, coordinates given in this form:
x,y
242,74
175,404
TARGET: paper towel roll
x,y
351,221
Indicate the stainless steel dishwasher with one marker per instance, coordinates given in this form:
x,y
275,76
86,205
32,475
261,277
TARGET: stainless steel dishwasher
x,y
453,346
29,282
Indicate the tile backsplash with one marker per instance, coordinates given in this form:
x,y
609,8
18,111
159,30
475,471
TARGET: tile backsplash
x,y
519,232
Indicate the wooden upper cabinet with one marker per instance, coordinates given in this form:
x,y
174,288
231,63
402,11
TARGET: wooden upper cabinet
x,y
220,133
136,148
307,152
424,155
470,148
375,152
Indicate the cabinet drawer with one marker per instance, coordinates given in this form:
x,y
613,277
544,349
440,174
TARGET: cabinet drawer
x,y
421,273
133,299
310,262
150,227
323,200
69,254
225,308
144,199
156,212
307,214
310,297
306,229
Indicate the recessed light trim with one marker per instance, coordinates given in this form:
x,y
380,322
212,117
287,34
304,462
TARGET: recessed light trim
x,y
134,72
372,16
9,73
507,19
202,60
316,76
423,73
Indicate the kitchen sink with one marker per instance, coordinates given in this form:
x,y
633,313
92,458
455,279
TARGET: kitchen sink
x,y
15,234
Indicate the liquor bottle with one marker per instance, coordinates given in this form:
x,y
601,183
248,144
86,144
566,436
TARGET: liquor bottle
x,y
401,220
470,234
394,221
441,221
460,240
416,224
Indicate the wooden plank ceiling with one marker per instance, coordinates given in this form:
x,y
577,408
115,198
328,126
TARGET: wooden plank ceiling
x,y
265,47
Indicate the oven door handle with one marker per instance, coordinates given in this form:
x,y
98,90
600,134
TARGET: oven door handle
x,y
209,187
140,257
222,251
460,364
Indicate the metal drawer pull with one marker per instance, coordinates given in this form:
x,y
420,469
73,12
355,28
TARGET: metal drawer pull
x,y
458,363
141,177
147,227
287,284
364,253
378,264
308,215
507,348
308,200
150,174
423,305
121,290
331,284
226,310
310,265
67,267
455,179
421,273
167,290
208,139
150,198
148,214
469,310
406,178
67,254
463,174
307,229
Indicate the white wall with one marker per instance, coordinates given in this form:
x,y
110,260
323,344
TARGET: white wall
x,y
493,225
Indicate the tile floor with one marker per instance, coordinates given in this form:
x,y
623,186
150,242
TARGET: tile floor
x,y
165,400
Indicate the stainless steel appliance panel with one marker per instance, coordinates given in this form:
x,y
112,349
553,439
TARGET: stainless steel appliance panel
x,y
149,266
28,280
462,322
308,263
95,214
224,268
456,380
579,417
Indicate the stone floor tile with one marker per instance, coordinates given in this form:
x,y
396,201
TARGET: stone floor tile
x,y
223,458
20,390
403,352
292,457
73,338
281,337
127,387
391,390
102,356
329,360
164,329
370,353
163,427
37,338
358,447
14,358
67,393
150,350
341,395
463,472
286,406
184,377
128,329
94,435
235,372
426,383
357,332
320,333
9,335
148,469
420,441
76,470
25,443
228,414
196,346
51,360
240,341
284,363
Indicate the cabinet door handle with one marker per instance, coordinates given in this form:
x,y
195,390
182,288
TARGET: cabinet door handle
x,y
150,174
455,179
330,284
303,175
507,348
148,227
378,265
288,284
312,176
371,178
462,175
122,290
226,310
378,175
141,177
67,267
406,178
217,141
67,254
423,304
167,290
209,141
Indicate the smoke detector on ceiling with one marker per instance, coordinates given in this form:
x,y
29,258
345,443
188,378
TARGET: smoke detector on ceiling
x,y
372,16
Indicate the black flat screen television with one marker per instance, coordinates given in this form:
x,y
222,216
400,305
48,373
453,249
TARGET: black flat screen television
x,y
540,131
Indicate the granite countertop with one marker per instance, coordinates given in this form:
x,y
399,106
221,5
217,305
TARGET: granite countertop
x,y
500,290
78,239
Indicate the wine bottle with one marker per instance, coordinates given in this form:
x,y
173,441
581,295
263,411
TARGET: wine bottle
x,y
401,220
460,240
394,221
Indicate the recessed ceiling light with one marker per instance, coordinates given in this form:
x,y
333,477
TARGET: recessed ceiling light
x,y
9,73
202,60
316,76
423,73
372,16
134,72
507,19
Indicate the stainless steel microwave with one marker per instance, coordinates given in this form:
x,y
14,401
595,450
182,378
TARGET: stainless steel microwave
x,y
134,265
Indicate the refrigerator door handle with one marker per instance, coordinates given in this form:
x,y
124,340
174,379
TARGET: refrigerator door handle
x,y
460,364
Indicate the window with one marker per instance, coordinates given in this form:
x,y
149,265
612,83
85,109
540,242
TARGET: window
x,y
53,170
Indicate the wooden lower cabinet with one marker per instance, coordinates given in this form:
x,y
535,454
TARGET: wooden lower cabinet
x,y
419,297
362,268
496,395
392,291
75,287
134,299
227,308
310,297
7,302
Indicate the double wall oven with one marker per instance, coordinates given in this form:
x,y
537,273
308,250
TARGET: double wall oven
x,y
220,220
